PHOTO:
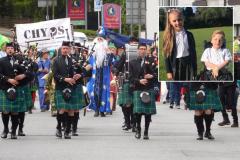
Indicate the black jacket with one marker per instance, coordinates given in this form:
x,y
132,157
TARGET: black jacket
x,y
136,73
119,66
8,71
61,71
170,62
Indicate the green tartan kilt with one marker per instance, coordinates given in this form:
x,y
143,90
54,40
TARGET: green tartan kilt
x,y
140,107
22,102
33,88
76,102
124,96
212,101
28,96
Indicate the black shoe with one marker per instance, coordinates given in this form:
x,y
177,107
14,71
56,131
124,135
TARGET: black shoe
x,y
134,129
4,134
109,113
124,125
223,123
138,134
200,137
13,136
171,106
59,133
126,128
67,136
30,112
145,136
208,135
234,125
20,133
102,114
74,133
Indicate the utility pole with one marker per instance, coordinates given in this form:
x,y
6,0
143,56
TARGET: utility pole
x,y
53,9
47,16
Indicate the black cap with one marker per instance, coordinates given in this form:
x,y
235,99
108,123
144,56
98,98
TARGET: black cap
x,y
10,44
66,43
77,44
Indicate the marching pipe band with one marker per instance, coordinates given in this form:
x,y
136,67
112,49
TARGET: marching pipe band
x,y
71,71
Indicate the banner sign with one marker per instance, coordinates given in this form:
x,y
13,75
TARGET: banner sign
x,y
112,16
47,34
76,9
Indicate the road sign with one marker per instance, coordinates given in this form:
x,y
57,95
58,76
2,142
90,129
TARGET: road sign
x,y
97,5
45,3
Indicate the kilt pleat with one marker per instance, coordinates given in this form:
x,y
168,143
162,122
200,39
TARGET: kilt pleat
x,y
124,96
22,102
140,107
28,96
76,102
212,101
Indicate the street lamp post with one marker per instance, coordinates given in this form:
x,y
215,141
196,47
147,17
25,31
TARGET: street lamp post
x,y
47,16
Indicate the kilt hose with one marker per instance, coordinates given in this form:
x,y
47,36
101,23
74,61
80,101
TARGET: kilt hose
x,y
22,102
76,101
124,96
140,107
212,101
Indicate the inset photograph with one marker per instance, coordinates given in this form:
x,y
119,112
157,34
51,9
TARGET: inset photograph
x,y
196,44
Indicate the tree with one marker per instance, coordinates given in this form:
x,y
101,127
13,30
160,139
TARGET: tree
x,y
162,19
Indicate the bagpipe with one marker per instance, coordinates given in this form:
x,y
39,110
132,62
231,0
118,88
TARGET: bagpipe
x,y
223,75
131,53
79,64
24,61
22,64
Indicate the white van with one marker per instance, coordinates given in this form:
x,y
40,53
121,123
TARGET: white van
x,y
80,37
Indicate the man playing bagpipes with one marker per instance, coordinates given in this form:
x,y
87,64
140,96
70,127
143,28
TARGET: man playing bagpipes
x,y
142,78
68,90
15,96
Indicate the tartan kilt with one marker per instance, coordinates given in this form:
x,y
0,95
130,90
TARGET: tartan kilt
x,y
33,87
140,107
75,103
28,96
212,101
124,96
22,102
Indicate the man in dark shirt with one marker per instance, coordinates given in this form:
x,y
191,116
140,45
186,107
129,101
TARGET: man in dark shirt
x,y
69,93
142,78
13,90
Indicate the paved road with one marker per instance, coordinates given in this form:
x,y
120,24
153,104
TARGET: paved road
x,y
172,136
